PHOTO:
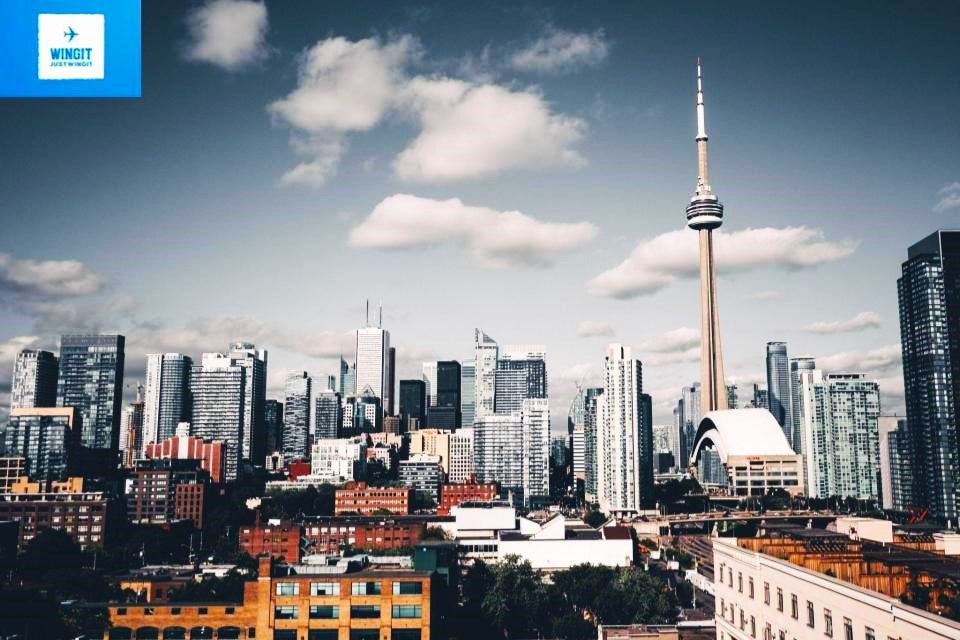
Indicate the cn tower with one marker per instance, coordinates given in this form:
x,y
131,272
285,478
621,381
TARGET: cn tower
x,y
704,214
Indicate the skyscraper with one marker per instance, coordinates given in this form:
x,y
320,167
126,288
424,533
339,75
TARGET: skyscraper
x,y
413,398
373,363
34,382
797,366
929,296
468,393
487,352
690,415
47,437
326,423
704,214
535,418
218,387
254,362
348,379
778,388
273,424
444,413
521,373
498,450
430,381
886,426
840,431
296,416
91,379
592,398
131,432
166,399
624,435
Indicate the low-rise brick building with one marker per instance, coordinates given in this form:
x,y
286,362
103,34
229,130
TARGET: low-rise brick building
x,y
63,506
308,603
358,498
161,491
279,539
329,535
453,494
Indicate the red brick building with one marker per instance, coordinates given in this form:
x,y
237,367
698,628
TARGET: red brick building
x,y
210,454
277,538
188,502
297,469
358,498
453,494
330,535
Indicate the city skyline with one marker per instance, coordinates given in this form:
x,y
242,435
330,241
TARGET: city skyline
x,y
604,257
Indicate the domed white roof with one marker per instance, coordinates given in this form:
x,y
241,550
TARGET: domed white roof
x,y
741,432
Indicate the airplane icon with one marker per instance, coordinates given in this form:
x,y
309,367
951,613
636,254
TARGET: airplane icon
x,y
70,34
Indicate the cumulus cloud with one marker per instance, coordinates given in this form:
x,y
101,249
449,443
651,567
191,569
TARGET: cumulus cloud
x,y
559,51
948,198
9,349
767,295
672,347
660,261
495,239
880,360
477,131
48,278
467,129
228,33
589,328
861,321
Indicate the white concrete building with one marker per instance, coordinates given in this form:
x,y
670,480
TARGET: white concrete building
x,y
373,363
461,467
338,460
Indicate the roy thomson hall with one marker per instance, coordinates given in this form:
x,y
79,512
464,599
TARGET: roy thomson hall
x,y
342,600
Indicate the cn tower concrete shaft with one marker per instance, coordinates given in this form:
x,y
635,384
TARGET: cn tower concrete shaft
x,y
713,389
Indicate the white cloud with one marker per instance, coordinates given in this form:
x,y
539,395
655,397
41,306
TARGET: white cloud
x,y
672,347
44,278
560,51
228,33
767,295
882,359
949,198
466,129
495,239
662,260
9,349
477,131
861,321
589,328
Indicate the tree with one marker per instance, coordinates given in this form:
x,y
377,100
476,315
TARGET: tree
x,y
50,550
595,518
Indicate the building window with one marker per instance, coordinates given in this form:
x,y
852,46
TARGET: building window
x,y
779,599
768,632
794,607
229,611
364,634
324,588
753,627
323,634
202,611
122,611
739,582
406,611
285,634
750,585
324,612
847,629
810,615
730,578
869,634
405,634
364,611
365,588
407,588
827,623
288,588
175,611
766,593
285,612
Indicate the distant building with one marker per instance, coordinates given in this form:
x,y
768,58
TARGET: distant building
x,y
887,425
448,394
486,352
34,382
778,388
421,473
296,416
460,464
273,424
210,455
91,379
797,367
591,399
166,401
157,492
373,363
83,515
358,498
327,416
219,388
278,539
338,460
413,402
131,432
468,392
452,495
12,469
331,535
47,438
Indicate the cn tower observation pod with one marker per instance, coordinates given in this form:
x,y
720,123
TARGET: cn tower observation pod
x,y
753,449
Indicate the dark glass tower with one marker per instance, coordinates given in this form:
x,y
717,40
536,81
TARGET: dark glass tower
x,y
273,421
91,379
778,388
929,295
445,414
413,401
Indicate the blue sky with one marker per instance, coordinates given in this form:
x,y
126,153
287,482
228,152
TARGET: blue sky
x,y
518,167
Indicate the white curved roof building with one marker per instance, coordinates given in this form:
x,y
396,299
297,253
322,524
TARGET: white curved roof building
x,y
753,449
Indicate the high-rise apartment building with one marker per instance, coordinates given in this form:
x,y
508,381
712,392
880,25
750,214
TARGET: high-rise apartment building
x,y
296,416
887,426
840,432
468,393
47,437
929,297
498,450
778,388
218,388
348,379
624,435
592,398
486,351
797,366
34,382
273,424
460,466
430,381
689,415
131,433
166,400
326,423
91,379
535,416
254,362
373,364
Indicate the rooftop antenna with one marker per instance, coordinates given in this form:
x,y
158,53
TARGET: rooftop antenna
x,y
380,322
368,312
